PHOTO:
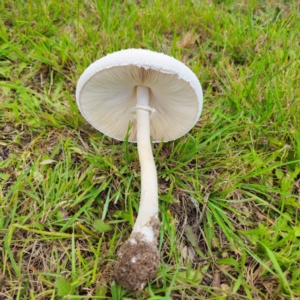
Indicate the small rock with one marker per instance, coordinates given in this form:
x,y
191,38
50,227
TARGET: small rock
x,y
7,129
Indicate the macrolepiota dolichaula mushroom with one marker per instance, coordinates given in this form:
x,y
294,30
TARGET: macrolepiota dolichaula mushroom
x,y
161,99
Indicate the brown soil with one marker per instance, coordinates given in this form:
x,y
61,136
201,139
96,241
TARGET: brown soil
x,y
138,261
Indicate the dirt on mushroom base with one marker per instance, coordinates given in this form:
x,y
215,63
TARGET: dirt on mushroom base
x,y
138,260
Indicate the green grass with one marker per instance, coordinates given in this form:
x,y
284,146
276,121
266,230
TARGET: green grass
x,y
229,190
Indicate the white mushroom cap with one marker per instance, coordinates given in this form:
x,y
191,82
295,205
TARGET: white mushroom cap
x,y
106,94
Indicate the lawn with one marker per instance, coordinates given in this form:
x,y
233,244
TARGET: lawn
x,y
229,190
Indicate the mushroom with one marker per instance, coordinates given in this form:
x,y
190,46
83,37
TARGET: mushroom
x,y
153,96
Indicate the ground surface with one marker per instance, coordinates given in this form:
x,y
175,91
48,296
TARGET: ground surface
x,y
229,190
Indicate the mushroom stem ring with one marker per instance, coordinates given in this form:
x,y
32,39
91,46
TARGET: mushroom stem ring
x,y
145,107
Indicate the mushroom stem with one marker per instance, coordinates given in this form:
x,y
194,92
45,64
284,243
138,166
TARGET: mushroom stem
x,y
138,257
149,199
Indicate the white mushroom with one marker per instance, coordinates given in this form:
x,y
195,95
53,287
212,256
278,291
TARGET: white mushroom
x,y
160,98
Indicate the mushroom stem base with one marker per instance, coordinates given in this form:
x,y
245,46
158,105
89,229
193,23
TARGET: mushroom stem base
x,y
138,260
